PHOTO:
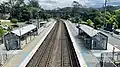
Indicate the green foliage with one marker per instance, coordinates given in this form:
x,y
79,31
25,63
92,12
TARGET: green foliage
x,y
34,3
76,4
97,22
21,10
97,16
117,13
113,21
14,20
1,31
108,15
76,20
32,10
89,22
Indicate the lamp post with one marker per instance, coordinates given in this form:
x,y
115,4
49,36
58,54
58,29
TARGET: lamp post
x,y
11,9
20,14
38,25
20,38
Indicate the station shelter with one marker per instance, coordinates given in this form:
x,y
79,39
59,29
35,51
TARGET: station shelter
x,y
93,39
12,40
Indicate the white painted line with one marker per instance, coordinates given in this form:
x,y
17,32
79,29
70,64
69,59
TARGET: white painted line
x,y
27,59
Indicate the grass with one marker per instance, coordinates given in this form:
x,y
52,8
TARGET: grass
x,y
6,23
5,31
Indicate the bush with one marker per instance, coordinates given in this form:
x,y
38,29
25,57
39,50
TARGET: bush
x,y
14,20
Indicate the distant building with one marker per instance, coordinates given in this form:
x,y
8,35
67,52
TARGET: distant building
x,y
12,40
43,23
94,39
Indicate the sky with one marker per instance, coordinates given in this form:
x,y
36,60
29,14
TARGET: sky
x,y
52,4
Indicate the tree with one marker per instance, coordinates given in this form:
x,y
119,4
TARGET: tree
x,y
14,21
34,8
76,20
76,4
15,8
34,3
4,9
117,13
113,21
26,14
75,8
97,22
12,4
89,22
108,15
1,31
34,12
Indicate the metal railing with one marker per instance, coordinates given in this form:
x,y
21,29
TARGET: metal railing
x,y
110,59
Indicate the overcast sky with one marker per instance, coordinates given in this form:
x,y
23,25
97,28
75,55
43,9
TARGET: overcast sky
x,y
52,4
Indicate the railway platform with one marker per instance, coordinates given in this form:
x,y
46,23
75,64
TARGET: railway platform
x,y
87,58
22,58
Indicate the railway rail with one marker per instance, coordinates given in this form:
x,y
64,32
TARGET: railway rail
x,y
56,50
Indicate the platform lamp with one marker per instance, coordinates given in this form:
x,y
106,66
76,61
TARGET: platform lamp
x,y
78,24
20,37
38,25
38,19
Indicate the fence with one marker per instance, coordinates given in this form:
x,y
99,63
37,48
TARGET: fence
x,y
110,59
5,57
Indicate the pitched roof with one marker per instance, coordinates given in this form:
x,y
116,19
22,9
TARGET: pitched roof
x,y
24,30
89,30
43,22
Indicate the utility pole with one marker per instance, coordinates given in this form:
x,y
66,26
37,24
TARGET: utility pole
x,y
105,24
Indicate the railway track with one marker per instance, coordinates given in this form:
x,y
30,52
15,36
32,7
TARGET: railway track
x,y
65,54
69,58
56,50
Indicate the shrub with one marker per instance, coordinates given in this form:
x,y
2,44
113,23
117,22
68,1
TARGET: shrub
x,y
14,20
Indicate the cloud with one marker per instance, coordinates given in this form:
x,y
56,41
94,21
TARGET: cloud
x,y
48,1
52,4
59,3
3,1
100,3
66,3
